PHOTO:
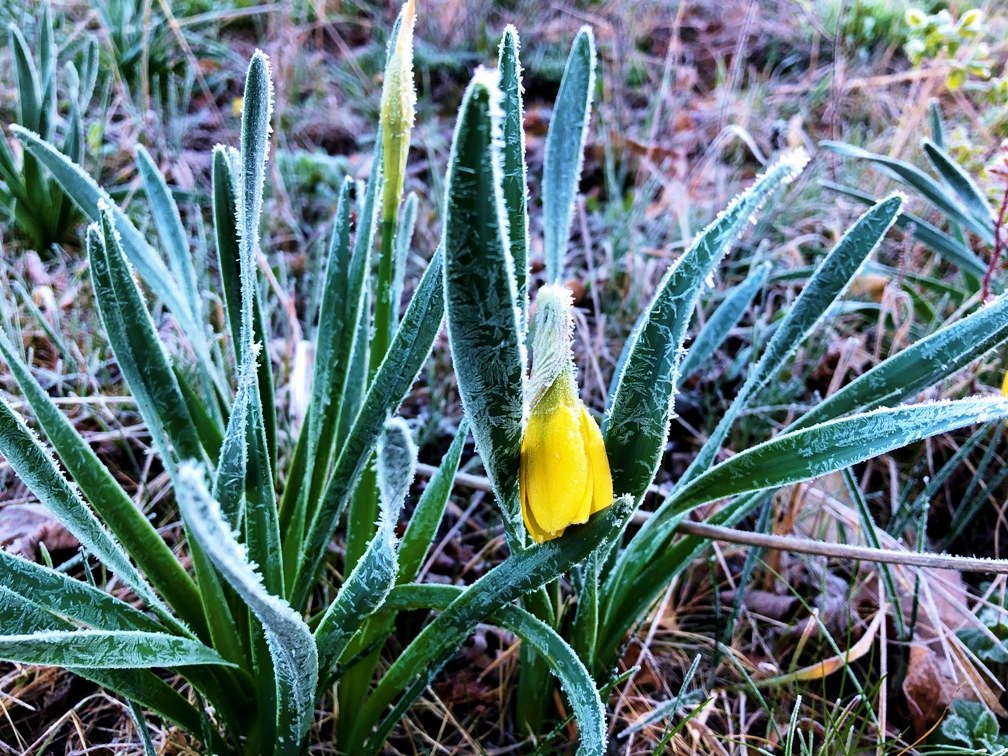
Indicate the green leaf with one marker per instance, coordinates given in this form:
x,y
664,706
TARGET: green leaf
x,y
723,320
833,445
949,249
638,420
514,173
575,680
488,350
423,525
34,465
520,573
375,573
917,367
831,278
395,376
137,348
82,189
54,592
403,239
923,183
565,141
961,183
106,649
110,502
137,685
291,646
170,229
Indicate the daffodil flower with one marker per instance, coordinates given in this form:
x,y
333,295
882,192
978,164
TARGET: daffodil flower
x,y
564,472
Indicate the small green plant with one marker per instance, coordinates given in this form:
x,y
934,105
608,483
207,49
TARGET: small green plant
x,y
261,630
37,205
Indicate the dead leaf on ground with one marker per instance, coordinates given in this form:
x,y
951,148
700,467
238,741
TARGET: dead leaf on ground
x,y
24,526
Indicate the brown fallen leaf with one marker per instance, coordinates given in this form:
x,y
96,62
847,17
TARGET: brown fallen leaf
x,y
24,526
927,687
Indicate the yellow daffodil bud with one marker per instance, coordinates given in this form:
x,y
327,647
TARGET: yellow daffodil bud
x,y
564,471
398,105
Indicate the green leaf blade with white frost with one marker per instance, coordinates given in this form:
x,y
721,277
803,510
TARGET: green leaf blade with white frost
x,y
291,646
106,649
137,685
170,230
949,249
565,142
723,320
514,183
488,350
127,523
406,355
639,416
520,573
574,678
137,348
53,592
833,445
960,182
827,284
87,195
917,367
36,468
373,576
914,177
423,525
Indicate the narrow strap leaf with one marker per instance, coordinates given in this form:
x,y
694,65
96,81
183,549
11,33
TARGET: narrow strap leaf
x,y
375,573
291,646
35,466
488,350
138,685
138,350
58,594
829,446
921,182
565,141
170,229
106,649
520,573
723,320
143,543
395,376
514,172
961,183
641,407
923,364
423,525
574,678
829,281
87,195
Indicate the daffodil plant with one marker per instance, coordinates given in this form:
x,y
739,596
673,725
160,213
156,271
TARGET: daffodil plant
x,y
257,624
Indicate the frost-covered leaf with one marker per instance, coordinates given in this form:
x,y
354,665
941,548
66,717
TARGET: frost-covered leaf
x,y
641,406
375,573
565,141
291,646
488,351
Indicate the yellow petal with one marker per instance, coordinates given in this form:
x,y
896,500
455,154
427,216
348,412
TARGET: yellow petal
x,y
598,462
554,480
